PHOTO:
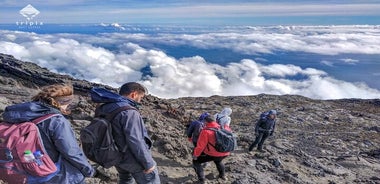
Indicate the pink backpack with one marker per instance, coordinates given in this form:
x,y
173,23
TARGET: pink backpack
x,y
15,140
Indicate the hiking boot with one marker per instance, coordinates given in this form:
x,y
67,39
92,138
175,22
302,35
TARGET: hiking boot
x,y
260,150
202,181
224,178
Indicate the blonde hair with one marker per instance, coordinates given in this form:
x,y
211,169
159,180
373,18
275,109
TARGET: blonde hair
x,y
53,94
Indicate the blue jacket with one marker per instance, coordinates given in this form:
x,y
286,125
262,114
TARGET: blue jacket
x,y
194,130
58,138
128,130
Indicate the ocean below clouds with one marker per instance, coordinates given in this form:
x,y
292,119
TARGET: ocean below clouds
x,y
320,62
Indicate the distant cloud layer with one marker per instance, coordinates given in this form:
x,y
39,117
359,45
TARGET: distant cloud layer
x,y
87,57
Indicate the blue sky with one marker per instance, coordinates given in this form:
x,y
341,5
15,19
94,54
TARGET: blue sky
x,y
284,12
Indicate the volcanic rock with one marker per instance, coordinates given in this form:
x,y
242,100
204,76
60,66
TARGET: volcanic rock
x,y
316,141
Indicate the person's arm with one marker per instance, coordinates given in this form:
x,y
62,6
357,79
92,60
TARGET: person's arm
x,y
258,124
66,144
190,130
135,139
201,144
274,126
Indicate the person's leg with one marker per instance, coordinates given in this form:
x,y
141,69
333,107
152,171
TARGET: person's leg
x,y
257,140
199,170
220,166
197,165
125,177
150,178
261,143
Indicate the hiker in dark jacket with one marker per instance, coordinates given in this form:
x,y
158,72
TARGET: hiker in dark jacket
x,y
195,129
56,132
129,133
263,129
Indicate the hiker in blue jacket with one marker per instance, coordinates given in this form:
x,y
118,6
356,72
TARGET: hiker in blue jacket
x,y
56,132
129,133
195,129
263,129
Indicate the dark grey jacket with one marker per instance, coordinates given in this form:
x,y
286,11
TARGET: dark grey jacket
x,y
128,130
266,125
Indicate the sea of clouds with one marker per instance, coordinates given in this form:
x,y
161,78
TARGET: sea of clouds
x,y
115,58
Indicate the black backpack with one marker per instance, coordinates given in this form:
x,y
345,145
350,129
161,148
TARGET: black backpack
x,y
97,140
225,140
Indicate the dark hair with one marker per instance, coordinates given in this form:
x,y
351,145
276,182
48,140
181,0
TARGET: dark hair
x,y
130,87
209,119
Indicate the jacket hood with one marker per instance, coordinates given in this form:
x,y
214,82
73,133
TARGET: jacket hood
x,y
101,95
226,111
202,116
111,100
27,112
272,112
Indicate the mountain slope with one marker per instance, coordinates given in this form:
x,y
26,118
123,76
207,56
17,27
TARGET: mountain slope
x,y
316,141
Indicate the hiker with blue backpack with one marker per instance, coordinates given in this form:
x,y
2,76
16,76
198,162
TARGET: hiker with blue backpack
x,y
195,129
264,128
46,110
129,132
208,149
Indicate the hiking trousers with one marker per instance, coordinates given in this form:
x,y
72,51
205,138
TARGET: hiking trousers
x,y
260,139
140,177
197,165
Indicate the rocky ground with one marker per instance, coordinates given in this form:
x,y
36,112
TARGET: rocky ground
x,y
316,141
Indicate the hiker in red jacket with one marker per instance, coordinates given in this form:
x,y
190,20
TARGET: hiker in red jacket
x,y
205,151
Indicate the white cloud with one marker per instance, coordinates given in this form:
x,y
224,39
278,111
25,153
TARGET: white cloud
x,y
169,77
350,61
326,40
327,63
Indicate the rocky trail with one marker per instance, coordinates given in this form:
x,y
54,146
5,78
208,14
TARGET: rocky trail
x,y
316,141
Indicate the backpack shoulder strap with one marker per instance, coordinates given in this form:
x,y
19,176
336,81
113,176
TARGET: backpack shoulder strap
x,y
213,129
43,118
219,118
113,114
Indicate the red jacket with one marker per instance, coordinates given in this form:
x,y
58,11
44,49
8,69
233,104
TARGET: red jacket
x,y
206,138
